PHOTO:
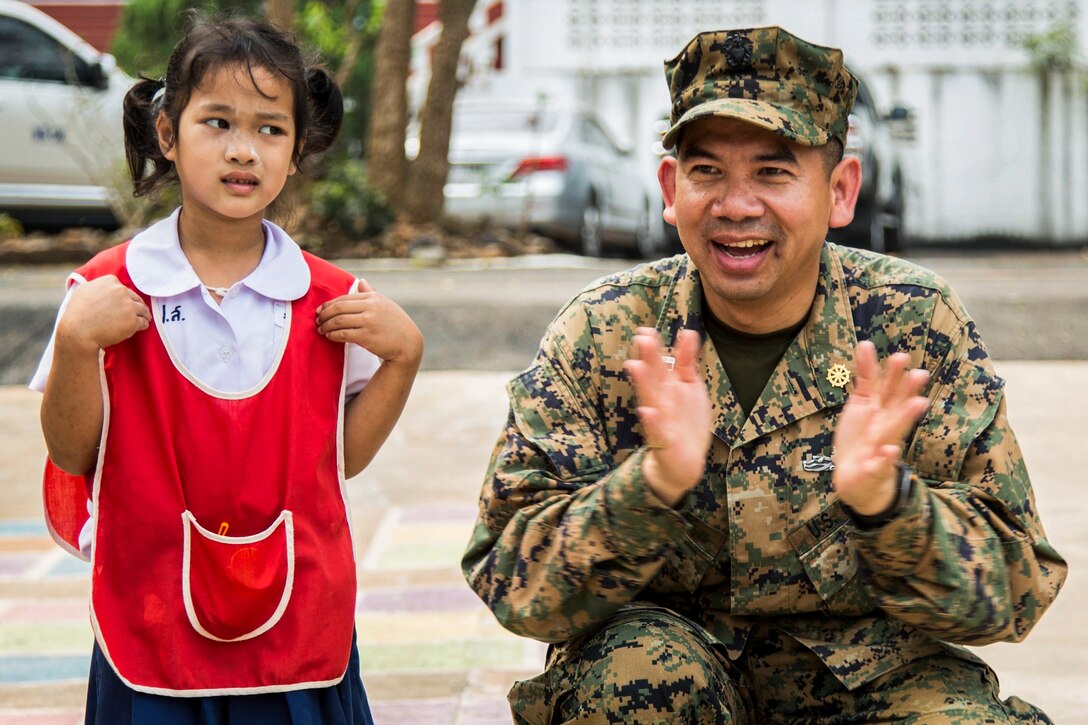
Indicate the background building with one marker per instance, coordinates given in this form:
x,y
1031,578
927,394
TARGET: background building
x,y
95,21
995,147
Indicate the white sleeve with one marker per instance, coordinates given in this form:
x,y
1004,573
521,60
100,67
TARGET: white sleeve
x,y
41,375
362,364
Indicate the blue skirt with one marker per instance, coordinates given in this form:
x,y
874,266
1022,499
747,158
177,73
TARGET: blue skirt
x,y
111,702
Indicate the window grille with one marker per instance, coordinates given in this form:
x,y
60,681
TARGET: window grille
x,y
966,24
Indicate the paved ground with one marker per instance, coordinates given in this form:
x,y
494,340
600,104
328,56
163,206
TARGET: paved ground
x,y
431,653
489,314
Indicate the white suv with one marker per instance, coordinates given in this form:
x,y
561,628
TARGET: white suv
x,y
60,120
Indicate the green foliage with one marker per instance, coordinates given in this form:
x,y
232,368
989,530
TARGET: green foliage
x,y
329,28
1053,50
9,227
150,28
344,204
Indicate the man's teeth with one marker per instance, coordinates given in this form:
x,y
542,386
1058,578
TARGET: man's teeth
x,y
747,244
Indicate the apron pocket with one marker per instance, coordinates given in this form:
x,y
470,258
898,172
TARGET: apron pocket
x,y
237,587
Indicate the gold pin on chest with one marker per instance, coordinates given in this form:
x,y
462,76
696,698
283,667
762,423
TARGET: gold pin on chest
x,y
838,376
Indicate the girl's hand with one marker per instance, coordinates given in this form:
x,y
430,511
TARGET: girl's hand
x,y
101,313
371,320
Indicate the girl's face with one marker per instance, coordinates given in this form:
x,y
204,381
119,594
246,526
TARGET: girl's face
x,y
233,145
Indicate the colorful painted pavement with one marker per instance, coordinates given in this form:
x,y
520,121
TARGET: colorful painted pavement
x,y
431,653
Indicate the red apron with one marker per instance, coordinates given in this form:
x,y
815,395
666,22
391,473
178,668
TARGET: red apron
x,y
222,560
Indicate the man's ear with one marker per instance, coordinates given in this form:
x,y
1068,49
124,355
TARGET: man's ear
x,y
165,131
666,177
845,186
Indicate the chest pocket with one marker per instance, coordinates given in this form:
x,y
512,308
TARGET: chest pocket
x,y
830,562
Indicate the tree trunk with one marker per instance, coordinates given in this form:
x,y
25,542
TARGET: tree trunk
x,y
424,197
354,45
280,13
387,168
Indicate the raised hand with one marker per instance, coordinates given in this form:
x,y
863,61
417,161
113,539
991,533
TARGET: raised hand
x,y
869,437
674,409
371,320
101,313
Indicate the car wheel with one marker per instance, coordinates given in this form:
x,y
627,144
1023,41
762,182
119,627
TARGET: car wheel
x,y
649,243
589,235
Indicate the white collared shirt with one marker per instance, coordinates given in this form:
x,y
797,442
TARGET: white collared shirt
x,y
232,345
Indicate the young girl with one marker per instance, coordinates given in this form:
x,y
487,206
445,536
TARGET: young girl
x,y
208,389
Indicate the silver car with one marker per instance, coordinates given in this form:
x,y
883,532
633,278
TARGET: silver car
x,y
550,169
878,216
60,120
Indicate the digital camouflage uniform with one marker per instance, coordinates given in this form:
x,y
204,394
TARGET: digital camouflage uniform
x,y
570,537
766,76
761,598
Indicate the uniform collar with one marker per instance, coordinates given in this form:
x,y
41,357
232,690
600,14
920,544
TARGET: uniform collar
x,y
800,384
159,268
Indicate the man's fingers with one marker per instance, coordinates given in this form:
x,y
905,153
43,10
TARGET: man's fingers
x,y
906,415
645,384
910,384
893,387
649,351
687,352
866,370
649,414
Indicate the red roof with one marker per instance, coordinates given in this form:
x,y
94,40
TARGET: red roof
x,y
95,22
426,13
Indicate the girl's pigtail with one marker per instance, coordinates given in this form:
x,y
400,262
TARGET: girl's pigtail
x,y
328,111
142,152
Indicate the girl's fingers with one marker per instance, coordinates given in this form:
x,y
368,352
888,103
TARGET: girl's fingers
x,y
357,321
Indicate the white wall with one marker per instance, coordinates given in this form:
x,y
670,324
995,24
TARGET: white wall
x,y
977,164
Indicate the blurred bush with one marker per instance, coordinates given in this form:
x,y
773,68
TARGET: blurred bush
x,y
9,227
342,208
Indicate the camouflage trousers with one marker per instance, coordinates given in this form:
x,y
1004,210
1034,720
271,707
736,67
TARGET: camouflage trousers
x,y
649,665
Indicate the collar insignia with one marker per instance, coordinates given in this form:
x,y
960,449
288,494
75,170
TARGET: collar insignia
x,y
838,376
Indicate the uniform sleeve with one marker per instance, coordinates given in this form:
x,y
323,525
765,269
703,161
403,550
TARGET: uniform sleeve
x,y
967,559
565,534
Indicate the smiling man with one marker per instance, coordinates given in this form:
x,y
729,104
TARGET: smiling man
x,y
771,479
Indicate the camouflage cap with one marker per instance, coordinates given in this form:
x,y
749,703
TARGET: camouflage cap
x,y
766,76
